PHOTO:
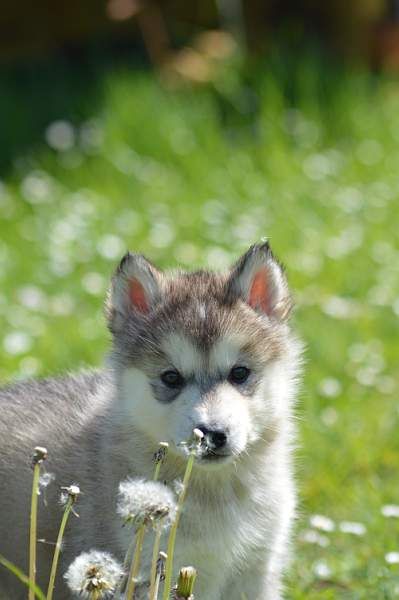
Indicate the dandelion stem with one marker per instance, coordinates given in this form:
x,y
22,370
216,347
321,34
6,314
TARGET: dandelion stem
x,y
127,561
156,586
159,460
33,530
58,545
134,570
173,531
157,470
160,569
155,553
39,455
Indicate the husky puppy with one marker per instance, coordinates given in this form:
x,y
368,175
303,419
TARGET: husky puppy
x,y
190,350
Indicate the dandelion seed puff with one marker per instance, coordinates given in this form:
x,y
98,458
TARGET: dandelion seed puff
x,y
94,575
143,501
44,481
178,486
196,445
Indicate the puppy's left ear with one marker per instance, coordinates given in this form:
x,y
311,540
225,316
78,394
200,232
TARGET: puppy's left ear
x,y
259,280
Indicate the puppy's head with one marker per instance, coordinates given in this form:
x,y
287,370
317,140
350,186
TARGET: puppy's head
x,y
204,350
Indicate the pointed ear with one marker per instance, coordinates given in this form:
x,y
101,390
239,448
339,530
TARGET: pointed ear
x,y
259,280
135,289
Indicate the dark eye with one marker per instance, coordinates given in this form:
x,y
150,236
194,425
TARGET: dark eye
x,y
239,374
172,379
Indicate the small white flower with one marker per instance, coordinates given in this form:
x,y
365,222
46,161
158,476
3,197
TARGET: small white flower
x,y
17,342
143,501
390,510
329,416
60,135
321,522
352,527
340,308
314,537
321,570
94,575
93,283
392,558
110,246
32,297
330,387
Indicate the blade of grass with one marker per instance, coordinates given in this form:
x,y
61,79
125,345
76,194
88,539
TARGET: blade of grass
x,y
37,592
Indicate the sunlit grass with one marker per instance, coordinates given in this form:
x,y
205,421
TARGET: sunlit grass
x,y
183,178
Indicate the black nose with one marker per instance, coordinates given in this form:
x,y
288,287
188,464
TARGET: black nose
x,y
215,437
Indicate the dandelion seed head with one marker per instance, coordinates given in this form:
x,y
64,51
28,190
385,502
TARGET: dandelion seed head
x,y
94,574
198,434
72,492
162,556
161,453
39,455
142,501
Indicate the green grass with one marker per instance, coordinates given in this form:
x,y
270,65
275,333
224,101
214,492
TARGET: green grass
x,y
308,158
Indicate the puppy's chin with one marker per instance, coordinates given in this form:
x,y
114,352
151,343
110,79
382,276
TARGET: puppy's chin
x,y
214,462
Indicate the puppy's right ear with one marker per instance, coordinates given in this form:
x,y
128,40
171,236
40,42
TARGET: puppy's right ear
x,y
259,280
134,291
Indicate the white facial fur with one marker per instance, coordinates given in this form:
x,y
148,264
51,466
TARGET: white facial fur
x,y
245,417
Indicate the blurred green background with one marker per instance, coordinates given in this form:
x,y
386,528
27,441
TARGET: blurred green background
x,y
190,164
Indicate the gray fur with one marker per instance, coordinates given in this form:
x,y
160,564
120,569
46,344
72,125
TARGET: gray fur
x,y
236,523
